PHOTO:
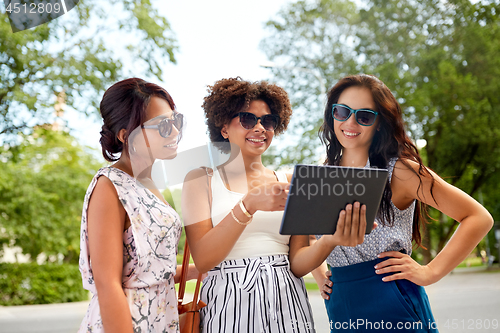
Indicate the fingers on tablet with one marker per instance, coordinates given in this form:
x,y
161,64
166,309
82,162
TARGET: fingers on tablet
x,y
355,219
362,225
348,220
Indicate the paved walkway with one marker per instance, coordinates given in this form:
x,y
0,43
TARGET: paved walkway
x,y
463,301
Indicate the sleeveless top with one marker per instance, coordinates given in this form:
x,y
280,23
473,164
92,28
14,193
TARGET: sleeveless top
x,y
397,237
149,257
261,237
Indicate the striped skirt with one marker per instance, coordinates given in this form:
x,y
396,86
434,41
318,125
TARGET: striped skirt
x,y
255,295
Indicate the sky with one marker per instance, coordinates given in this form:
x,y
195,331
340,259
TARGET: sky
x,y
217,39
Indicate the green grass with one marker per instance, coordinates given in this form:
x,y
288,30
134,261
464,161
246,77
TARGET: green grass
x,y
190,285
472,262
311,286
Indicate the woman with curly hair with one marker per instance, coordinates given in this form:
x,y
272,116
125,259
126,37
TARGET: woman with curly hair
x,y
233,214
377,285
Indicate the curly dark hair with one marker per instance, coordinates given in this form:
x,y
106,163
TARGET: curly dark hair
x,y
230,96
390,141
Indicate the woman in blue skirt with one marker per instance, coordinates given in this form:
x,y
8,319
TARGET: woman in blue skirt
x,y
376,286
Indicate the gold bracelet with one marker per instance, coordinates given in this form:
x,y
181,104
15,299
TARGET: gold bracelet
x,y
238,221
244,210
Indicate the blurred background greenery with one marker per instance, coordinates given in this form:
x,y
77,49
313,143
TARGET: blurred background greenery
x,y
439,58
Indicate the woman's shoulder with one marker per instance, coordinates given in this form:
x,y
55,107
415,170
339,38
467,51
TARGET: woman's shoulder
x,y
113,176
121,183
198,176
409,173
404,168
199,172
114,173
98,181
406,165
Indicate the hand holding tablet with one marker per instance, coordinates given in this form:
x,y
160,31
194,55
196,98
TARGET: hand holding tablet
x,y
351,226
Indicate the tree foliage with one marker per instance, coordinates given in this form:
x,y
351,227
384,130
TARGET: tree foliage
x,y
42,186
317,36
80,53
440,59
30,283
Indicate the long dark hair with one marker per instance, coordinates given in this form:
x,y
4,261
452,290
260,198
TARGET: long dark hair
x,y
390,140
123,106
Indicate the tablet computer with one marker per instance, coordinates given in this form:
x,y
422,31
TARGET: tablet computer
x,y
318,194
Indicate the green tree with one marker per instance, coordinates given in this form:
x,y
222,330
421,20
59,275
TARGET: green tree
x,y
440,59
42,186
317,36
80,53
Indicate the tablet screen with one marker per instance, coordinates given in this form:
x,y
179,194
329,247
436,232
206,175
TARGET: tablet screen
x,y
318,194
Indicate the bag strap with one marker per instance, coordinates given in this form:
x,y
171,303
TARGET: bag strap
x,y
185,258
184,272
194,304
183,279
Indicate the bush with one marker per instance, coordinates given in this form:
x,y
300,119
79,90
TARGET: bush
x,y
30,283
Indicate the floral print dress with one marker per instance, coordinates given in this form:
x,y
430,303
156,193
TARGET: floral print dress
x,y
149,257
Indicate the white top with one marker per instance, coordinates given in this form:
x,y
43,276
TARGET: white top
x,y
261,237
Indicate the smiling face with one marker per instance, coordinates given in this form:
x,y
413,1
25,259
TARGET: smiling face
x,y
350,134
254,141
148,142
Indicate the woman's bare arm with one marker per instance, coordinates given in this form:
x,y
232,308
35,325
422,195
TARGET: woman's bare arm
x,y
106,220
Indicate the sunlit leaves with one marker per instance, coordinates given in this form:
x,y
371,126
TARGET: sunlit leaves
x,y
80,53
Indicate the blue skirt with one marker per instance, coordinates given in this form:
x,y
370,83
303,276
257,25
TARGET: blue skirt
x,y
361,302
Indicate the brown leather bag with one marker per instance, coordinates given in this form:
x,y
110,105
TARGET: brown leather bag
x,y
189,314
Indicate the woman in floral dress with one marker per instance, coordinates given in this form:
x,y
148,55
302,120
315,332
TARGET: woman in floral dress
x,y
129,233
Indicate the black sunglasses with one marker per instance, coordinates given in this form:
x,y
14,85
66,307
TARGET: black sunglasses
x,y
364,117
249,120
165,125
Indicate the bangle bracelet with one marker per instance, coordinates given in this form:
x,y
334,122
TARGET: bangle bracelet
x,y
244,210
238,221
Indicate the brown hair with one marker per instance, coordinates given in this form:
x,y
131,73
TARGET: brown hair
x,y
230,96
123,106
389,141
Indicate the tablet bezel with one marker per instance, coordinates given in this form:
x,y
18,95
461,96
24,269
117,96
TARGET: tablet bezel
x,y
304,212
